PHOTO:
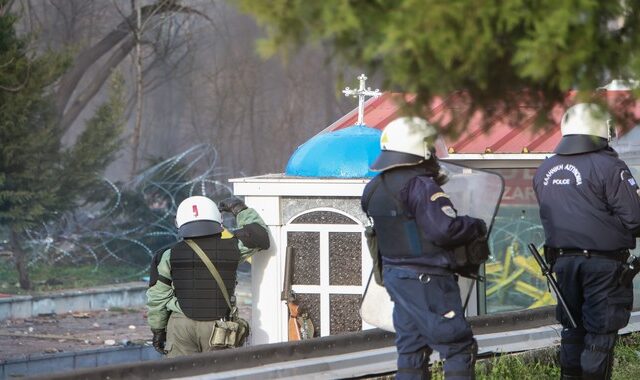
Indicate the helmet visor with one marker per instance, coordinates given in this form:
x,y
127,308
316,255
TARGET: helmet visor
x,y
200,228
575,144
389,159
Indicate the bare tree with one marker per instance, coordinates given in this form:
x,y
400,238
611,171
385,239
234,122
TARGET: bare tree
x,y
257,112
115,46
195,76
137,34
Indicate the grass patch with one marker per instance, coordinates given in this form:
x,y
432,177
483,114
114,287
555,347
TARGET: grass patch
x,y
627,358
543,366
47,278
507,367
517,367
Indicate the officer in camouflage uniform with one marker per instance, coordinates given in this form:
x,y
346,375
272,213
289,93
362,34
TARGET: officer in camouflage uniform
x,y
183,298
590,211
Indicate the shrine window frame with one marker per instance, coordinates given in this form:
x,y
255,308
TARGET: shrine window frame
x,y
324,289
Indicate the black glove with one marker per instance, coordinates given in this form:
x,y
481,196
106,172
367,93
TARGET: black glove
x,y
470,271
442,177
159,339
253,235
233,205
482,228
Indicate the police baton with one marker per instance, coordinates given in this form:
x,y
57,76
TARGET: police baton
x,y
552,282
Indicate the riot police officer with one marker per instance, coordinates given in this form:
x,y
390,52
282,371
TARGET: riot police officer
x,y
417,228
184,300
590,211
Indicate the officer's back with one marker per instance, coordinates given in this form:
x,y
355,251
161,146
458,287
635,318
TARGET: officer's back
x,y
582,202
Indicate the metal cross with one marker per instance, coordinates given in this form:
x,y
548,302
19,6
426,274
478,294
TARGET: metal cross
x,y
361,93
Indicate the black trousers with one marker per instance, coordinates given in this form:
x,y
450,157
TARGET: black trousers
x,y
428,315
600,307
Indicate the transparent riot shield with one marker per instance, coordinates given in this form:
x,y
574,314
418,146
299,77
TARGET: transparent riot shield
x,y
473,192
628,148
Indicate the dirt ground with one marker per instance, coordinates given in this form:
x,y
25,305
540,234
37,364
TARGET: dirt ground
x,y
77,331
72,332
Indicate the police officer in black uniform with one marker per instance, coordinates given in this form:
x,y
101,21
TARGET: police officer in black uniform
x,y
417,228
590,211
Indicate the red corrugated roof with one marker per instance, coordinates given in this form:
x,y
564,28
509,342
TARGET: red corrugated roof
x,y
501,137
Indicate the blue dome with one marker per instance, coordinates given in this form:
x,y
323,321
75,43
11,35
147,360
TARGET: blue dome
x,y
346,153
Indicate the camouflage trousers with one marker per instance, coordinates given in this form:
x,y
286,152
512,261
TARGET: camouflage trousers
x,y
187,337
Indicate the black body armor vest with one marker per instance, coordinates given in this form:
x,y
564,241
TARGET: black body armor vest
x,y
197,291
396,229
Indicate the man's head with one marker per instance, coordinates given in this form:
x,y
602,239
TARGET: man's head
x,y
406,141
198,216
585,127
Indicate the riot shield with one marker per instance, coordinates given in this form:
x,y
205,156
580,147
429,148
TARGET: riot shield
x,y
628,148
473,192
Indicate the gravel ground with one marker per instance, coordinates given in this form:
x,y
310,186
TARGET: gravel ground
x,y
72,332
88,330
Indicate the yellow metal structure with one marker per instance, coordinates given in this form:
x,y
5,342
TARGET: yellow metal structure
x,y
517,273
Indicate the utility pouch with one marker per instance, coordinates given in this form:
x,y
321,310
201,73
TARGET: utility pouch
x,y
550,255
219,335
372,244
242,331
229,334
629,271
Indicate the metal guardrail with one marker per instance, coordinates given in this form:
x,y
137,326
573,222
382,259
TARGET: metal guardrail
x,y
39,364
363,353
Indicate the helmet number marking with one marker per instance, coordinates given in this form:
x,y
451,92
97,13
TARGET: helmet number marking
x,y
195,210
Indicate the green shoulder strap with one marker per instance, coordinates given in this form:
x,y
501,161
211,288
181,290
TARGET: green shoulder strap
x,y
214,272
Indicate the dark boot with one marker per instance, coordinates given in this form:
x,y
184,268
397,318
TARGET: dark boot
x,y
597,358
570,373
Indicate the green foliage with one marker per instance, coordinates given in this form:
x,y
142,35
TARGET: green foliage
x,y
28,130
627,358
488,49
40,178
515,367
542,365
94,149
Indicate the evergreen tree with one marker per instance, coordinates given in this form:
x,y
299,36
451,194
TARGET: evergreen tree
x,y
494,53
40,178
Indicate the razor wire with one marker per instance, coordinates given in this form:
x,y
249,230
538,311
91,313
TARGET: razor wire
x,y
134,219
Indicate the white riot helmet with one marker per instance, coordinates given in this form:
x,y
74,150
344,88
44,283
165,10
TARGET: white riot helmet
x,y
198,216
585,127
405,141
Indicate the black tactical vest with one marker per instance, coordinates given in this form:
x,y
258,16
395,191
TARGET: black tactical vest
x,y
396,229
197,291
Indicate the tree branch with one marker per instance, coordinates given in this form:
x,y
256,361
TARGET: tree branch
x,y
88,57
98,79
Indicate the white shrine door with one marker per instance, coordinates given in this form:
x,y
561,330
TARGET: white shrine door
x,y
331,268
